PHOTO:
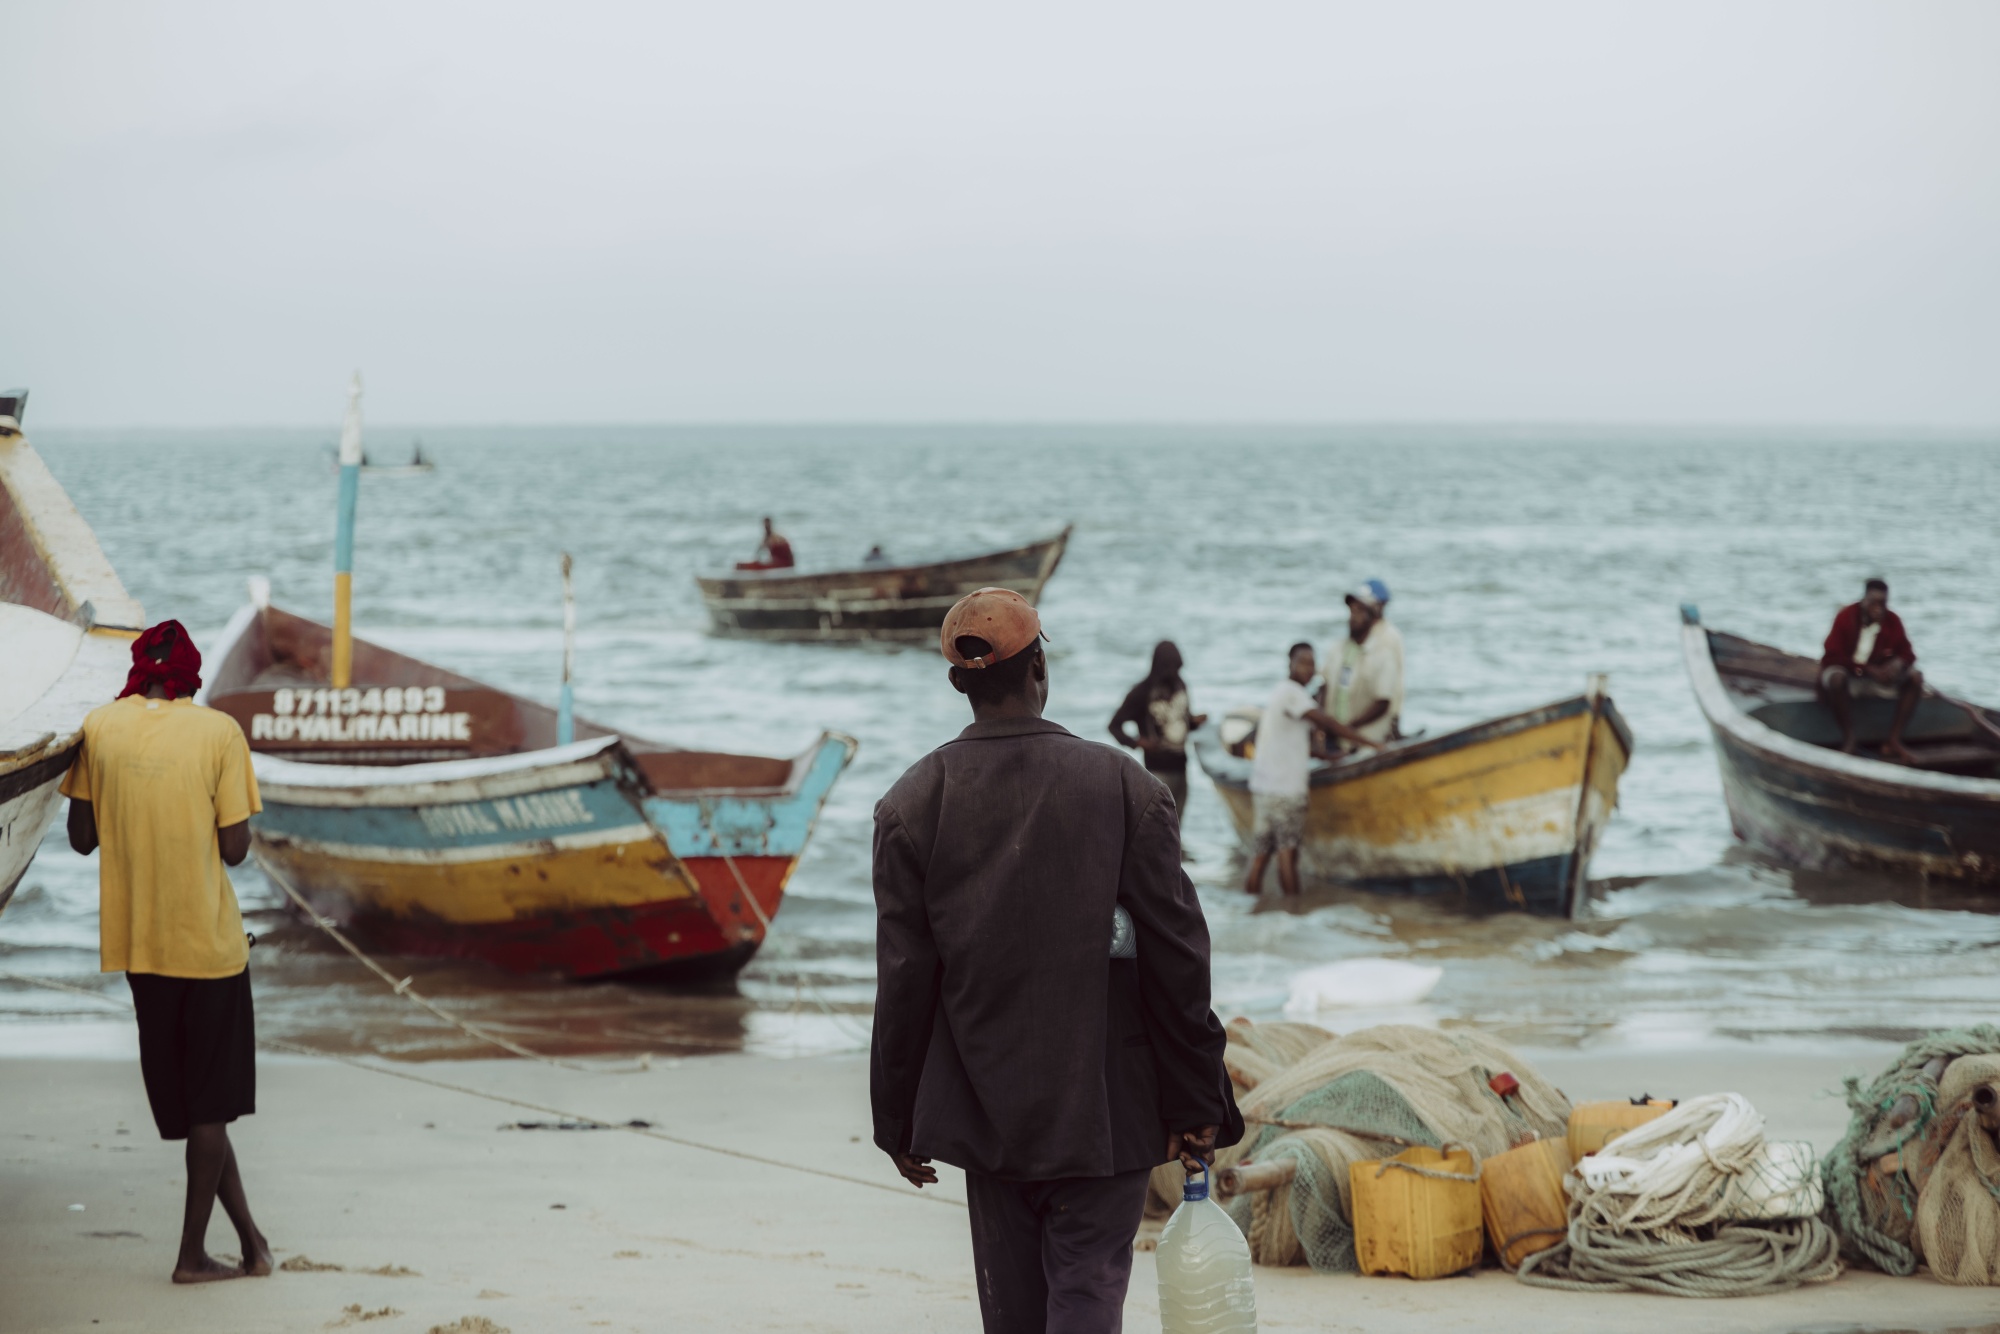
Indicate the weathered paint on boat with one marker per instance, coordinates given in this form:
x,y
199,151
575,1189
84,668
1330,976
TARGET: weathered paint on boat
x,y
66,630
1505,814
542,858
1817,808
895,602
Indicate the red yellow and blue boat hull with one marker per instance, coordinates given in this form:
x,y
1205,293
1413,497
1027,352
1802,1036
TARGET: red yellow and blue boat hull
x,y
560,865
430,814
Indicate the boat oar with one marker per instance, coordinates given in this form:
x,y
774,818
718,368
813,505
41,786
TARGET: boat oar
x,y
566,709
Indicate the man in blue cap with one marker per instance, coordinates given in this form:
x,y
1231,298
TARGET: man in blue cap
x,y
1364,677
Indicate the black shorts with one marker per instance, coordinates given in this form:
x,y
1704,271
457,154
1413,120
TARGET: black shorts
x,y
197,1048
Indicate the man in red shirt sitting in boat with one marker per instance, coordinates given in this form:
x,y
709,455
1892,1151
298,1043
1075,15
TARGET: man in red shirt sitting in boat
x,y
1868,655
774,553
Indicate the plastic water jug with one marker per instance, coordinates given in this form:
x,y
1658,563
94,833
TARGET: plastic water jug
x,y
1204,1268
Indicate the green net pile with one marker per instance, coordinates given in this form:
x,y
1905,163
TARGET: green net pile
x,y
1875,1208
1365,1096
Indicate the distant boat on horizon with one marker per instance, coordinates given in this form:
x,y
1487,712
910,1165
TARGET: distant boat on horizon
x,y
878,600
416,467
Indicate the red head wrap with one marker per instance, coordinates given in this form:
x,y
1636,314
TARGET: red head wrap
x,y
179,670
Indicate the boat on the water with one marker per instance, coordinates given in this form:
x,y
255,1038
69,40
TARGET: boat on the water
x,y
871,601
66,631
434,814
1504,814
1793,793
416,467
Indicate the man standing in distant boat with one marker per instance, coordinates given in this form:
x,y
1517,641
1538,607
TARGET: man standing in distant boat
x,y
1365,678
165,788
1281,772
1042,1009
773,553
1868,656
1158,706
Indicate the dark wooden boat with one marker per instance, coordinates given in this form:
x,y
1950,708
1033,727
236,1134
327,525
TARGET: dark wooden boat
x,y
1793,794
896,602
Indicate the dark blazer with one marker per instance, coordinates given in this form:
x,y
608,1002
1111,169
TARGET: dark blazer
x,y
1007,1041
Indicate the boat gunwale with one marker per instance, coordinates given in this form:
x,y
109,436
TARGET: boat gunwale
x,y
1727,717
73,561
704,580
1207,738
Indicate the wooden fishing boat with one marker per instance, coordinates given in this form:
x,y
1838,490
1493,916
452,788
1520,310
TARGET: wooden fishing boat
x,y
66,631
1503,814
433,814
1793,793
883,601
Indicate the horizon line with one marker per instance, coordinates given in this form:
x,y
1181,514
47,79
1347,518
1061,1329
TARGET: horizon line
x,y
332,424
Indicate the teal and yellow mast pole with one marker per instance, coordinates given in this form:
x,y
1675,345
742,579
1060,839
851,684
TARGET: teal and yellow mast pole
x,y
566,704
343,540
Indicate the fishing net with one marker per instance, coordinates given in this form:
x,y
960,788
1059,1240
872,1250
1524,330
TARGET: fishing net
x,y
1958,1207
1254,1054
1366,1096
1895,1140
1257,1052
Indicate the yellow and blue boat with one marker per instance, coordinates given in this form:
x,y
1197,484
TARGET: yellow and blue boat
x,y
433,814
1501,815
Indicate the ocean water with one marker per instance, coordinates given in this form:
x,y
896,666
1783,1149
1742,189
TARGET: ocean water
x,y
1520,561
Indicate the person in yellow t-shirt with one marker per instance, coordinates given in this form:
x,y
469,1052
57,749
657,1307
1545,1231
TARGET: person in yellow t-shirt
x,y
163,787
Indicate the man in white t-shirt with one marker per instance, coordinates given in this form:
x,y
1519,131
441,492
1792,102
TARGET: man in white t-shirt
x,y
1280,773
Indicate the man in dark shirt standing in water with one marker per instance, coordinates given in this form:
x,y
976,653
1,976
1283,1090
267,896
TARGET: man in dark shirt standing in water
x,y
1042,1006
1158,706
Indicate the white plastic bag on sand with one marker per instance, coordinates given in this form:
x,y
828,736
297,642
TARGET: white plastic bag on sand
x,y
1361,982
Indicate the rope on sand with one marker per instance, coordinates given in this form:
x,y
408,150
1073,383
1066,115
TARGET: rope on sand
x,y
647,1132
846,1024
1726,1260
1694,1204
403,988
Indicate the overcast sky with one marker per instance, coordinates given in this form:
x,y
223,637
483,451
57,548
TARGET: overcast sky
x,y
211,213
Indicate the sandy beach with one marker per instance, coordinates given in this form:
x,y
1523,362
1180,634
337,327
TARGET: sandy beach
x,y
352,1171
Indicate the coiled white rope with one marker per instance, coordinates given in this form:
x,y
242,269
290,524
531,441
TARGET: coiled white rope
x,y
1696,1203
1680,1170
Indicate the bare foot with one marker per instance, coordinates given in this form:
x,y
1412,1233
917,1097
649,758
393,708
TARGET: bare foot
x,y
257,1258
1895,750
1847,747
209,1270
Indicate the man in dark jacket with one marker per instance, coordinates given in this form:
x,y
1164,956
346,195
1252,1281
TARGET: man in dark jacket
x,y
1868,654
1042,1011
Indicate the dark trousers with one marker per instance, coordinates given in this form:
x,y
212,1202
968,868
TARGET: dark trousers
x,y
1054,1257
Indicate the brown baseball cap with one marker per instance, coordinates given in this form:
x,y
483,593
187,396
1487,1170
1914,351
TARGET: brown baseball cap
x,y
1000,616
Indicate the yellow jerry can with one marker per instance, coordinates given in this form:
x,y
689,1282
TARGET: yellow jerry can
x,y
1593,1124
1414,1222
1521,1192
